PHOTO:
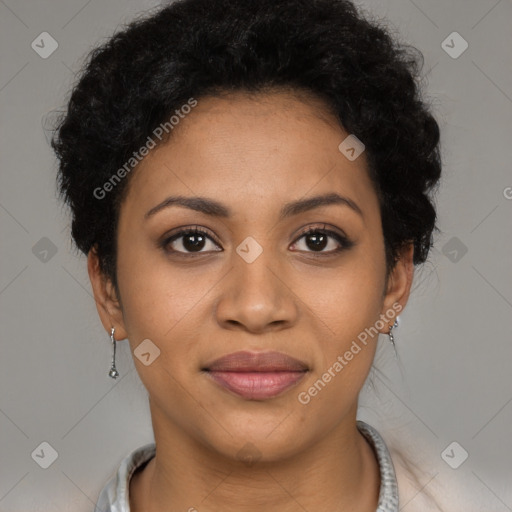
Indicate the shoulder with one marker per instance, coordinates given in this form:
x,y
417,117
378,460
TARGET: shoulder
x,y
388,495
426,484
114,496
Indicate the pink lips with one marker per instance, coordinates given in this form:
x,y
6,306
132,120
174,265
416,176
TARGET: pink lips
x,y
256,375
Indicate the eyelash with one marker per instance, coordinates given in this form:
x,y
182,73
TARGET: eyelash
x,y
343,241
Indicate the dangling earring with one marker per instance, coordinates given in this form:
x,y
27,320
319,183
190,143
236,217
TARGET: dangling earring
x,y
390,334
113,372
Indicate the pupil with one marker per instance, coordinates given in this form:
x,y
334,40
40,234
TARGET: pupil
x,y
316,241
193,242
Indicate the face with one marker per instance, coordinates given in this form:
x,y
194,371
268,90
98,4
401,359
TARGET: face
x,y
284,252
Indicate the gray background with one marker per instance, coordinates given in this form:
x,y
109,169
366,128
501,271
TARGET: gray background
x,y
452,381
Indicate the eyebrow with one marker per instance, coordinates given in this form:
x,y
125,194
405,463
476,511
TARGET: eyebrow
x,y
216,209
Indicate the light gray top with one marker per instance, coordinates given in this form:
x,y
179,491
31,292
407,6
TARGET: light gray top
x,y
114,496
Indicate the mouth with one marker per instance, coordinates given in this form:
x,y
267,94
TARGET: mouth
x,y
256,375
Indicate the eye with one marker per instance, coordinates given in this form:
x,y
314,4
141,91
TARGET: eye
x,y
192,240
197,240
321,240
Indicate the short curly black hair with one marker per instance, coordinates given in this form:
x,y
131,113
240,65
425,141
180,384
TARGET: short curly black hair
x,y
192,48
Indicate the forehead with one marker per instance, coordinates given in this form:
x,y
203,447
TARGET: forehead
x,y
249,150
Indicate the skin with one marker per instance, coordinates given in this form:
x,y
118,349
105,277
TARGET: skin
x,y
253,154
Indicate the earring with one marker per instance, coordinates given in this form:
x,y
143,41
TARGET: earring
x,y
390,334
113,372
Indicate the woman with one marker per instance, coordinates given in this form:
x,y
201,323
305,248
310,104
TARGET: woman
x,y
252,183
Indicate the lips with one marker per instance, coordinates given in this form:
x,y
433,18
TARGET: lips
x,y
257,362
256,375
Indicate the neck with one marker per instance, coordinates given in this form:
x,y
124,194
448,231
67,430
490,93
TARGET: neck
x,y
340,472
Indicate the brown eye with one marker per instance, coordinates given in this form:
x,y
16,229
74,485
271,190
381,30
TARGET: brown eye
x,y
321,241
190,241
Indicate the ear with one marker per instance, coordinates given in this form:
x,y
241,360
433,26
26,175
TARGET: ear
x,y
398,286
107,303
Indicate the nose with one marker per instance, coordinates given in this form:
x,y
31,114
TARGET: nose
x,y
255,297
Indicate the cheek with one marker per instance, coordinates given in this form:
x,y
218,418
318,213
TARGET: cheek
x,y
163,303
345,310
156,295
346,300
160,304
345,305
